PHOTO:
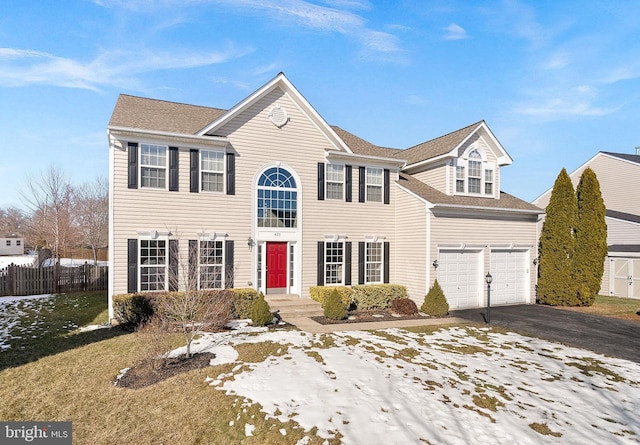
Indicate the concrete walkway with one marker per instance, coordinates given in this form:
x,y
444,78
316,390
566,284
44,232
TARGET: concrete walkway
x,y
308,325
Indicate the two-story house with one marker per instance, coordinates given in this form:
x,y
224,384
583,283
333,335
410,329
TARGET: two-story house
x,y
619,178
270,196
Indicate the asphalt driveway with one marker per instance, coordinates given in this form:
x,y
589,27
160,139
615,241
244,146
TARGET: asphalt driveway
x,y
605,335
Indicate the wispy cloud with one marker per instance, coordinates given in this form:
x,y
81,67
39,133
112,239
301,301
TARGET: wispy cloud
x,y
21,67
579,101
455,32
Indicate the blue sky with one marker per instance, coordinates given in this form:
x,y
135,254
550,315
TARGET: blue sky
x,y
556,81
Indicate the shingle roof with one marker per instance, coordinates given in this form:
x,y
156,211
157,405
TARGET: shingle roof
x,y
362,147
438,146
626,157
434,196
624,248
160,115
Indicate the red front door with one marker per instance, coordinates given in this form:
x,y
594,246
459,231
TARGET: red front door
x,y
276,265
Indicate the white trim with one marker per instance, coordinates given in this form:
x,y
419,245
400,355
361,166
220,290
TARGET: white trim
x,y
164,135
111,237
280,81
388,162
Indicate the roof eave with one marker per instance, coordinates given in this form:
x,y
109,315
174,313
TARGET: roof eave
x,y
400,163
127,131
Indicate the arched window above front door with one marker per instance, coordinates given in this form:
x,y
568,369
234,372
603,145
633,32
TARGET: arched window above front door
x,y
277,199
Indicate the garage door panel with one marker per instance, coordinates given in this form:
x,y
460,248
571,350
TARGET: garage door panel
x,y
458,277
509,271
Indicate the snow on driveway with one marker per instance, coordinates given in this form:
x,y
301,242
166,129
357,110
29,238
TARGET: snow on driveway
x,y
456,386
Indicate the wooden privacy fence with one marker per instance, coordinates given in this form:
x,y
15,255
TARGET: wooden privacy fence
x,y
25,280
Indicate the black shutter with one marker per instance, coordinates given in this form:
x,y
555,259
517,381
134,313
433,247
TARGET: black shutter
x,y
320,260
347,263
132,265
194,171
231,174
193,264
386,262
173,169
132,151
173,265
348,183
228,264
320,181
387,191
361,262
362,184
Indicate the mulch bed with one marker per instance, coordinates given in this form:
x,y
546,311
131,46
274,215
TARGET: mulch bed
x,y
145,374
369,316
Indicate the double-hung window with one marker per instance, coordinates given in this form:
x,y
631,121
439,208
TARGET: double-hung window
x,y
335,181
334,263
460,179
211,265
153,264
373,262
488,182
375,180
153,166
212,171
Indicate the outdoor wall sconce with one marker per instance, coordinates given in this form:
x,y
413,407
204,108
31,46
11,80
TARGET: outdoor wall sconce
x,y
488,278
435,264
250,243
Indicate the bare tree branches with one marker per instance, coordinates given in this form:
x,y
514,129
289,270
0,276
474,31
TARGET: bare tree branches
x,y
91,213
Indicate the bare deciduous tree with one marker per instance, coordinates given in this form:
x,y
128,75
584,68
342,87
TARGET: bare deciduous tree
x,y
91,213
12,220
191,310
49,197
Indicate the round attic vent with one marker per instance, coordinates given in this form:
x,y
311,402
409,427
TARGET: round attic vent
x,y
278,116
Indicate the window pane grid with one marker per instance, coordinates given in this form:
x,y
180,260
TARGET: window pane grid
x,y
277,199
211,262
374,181
212,170
335,181
152,265
488,182
334,261
373,263
153,162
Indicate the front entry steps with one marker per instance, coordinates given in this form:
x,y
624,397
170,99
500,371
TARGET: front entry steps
x,y
292,306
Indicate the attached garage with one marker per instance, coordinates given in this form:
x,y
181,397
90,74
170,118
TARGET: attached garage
x,y
459,275
509,269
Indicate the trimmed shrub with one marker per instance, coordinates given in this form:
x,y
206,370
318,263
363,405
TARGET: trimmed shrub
x,y
134,309
404,306
242,302
377,296
435,303
334,308
260,313
321,293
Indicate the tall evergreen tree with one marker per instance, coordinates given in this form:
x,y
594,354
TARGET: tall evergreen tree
x,y
557,244
591,238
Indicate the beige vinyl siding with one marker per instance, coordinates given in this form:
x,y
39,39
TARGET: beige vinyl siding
x,y
435,176
622,232
486,234
618,183
411,245
604,285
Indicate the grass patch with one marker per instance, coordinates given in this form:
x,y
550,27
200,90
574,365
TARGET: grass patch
x,y
623,308
543,429
259,352
592,365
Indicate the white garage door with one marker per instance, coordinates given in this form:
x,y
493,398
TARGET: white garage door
x,y
459,277
509,272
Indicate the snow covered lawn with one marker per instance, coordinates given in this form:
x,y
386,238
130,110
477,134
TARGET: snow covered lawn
x,y
455,386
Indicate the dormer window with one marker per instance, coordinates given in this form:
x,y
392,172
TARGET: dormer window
x,y
474,175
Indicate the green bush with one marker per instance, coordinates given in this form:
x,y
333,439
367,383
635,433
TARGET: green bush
x,y
334,308
133,309
242,302
321,293
404,306
435,303
377,296
260,313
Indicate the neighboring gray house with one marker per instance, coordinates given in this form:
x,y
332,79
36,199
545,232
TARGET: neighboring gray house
x,y
619,178
272,197
11,244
